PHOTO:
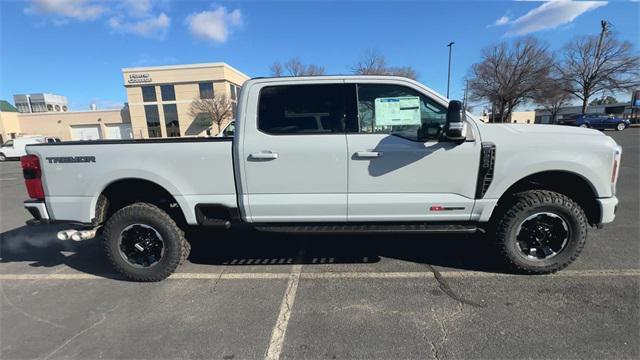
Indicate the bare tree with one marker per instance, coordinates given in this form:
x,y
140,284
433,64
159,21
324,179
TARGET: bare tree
x,y
404,71
276,69
608,100
552,96
218,110
591,65
509,74
371,62
295,67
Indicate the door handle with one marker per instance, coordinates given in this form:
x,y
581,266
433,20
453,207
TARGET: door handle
x,y
369,154
264,155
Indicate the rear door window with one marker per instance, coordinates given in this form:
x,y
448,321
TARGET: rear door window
x,y
302,109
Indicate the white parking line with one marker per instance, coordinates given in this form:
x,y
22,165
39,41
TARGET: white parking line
x,y
279,330
328,275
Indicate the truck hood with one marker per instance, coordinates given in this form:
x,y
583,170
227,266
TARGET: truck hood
x,y
545,129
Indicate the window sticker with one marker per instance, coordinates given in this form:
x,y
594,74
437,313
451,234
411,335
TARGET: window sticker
x,y
397,111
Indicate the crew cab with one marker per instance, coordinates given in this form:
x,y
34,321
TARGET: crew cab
x,y
333,153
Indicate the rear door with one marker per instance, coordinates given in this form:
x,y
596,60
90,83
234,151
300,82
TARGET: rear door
x,y
294,153
394,176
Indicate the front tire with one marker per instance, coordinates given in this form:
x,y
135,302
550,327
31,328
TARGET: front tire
x,y
144,243
585,126
3,157
620,126
541,232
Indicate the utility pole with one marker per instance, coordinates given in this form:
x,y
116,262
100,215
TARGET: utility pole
x,y
450,45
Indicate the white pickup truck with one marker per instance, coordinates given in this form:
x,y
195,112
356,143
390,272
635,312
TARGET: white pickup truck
x,y
333,154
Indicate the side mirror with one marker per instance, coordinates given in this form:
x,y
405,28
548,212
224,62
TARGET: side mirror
x,y
456,127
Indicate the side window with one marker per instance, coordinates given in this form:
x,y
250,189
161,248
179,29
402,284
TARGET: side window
x,y
397,110
148,93
301,109
167,92
206,90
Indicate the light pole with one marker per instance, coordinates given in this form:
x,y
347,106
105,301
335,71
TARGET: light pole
x,y
450,45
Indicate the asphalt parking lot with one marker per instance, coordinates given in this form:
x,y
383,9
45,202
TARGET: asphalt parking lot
x,y
246,295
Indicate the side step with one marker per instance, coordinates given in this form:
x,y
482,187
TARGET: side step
x,y
371,228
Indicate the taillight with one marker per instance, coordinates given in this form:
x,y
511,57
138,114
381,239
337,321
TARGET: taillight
x,y
32,176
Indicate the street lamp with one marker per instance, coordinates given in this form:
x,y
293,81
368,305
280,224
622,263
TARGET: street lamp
x,y
450,45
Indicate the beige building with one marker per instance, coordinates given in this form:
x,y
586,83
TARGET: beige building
x,y
78,125
9,122
520,117
160,97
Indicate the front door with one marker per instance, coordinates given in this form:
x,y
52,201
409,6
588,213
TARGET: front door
x,y
394,176
295,162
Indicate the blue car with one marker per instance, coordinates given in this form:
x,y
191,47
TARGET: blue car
x,y
597,121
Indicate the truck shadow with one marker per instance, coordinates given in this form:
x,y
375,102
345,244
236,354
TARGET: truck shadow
x,y
251,247
39,247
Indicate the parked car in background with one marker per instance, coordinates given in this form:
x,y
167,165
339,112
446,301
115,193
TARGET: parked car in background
x,y
15,148
596,121
228,130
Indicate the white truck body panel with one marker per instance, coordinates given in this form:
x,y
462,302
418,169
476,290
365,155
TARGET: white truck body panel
x,y
319,178
192,172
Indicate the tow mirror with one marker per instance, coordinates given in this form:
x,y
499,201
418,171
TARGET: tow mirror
x,y
456,127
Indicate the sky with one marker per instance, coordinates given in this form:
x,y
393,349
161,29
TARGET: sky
x,y
77,48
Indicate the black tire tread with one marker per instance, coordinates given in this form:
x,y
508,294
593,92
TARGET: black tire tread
x,y
527,199
154,211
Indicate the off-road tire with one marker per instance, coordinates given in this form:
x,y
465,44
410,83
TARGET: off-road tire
x,y
527,203
176,247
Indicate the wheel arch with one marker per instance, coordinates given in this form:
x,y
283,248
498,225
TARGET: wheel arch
x,y
125,191
569,183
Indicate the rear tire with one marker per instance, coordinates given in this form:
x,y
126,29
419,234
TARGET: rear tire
x,y
144,243
541,232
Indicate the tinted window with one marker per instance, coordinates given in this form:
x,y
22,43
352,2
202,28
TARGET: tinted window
x,y
153,120
171,120
397,110
148,93
206,90
168,93
301,109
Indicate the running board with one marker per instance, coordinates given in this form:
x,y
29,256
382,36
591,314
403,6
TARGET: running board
x,y
371,228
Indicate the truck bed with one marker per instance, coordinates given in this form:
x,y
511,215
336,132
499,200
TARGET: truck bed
x,y
193,170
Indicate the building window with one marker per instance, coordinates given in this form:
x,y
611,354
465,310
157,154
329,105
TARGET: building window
x,y
168,93
171,120
206,90
235,90
153,120
148,93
